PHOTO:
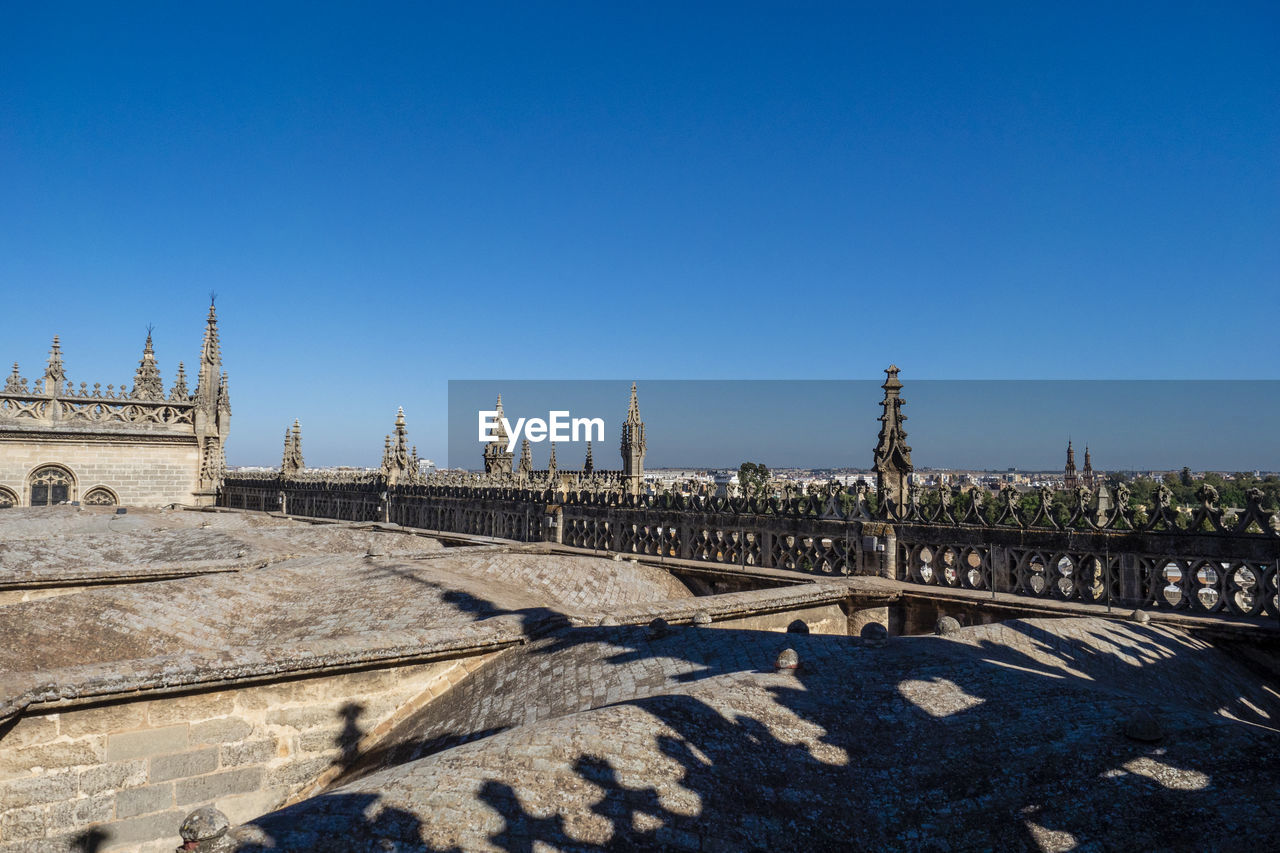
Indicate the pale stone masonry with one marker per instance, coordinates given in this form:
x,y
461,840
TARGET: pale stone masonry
x,y
137,446
134,768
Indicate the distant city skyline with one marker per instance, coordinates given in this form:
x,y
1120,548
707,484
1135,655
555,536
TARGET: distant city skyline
x,y
388,200
966,424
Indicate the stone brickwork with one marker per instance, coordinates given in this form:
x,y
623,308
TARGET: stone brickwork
x,y
137,471
132,770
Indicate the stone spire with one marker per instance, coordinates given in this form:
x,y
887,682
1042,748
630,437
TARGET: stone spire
x,y
1069,478
179,393
209,377
224,396
633,446
15,384
1087,477
292,462
147,384
387,456
526,460
212,413
551,464
395,454
54,375
589,465
498,454
892,461
402,439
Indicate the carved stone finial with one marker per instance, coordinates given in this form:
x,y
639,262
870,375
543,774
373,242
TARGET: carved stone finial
x,y
892,458
147,384
292,462
15,384
179,393
54,374
526,460
498,454
633,446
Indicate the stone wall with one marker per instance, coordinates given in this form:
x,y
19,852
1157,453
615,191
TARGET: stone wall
x,y
826,619
132,770
140,472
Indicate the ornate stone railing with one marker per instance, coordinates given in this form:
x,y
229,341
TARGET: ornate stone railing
x,y
93,407
1206,561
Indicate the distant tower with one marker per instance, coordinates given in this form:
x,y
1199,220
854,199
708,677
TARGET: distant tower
x,y
292,462
395,454
526,460
587,466
497,454
1069,478
1087,478
892,456
212,416
633,447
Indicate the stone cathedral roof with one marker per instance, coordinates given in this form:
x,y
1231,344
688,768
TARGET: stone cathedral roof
x,y
1023,736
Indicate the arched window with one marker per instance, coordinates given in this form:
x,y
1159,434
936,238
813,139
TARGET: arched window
x,y
51,485
99,496
7,498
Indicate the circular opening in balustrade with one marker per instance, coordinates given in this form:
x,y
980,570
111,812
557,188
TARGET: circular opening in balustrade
x,y
924,564
947,565
973,568
1066,567
1171,573
1207,576
1244,585
1036,569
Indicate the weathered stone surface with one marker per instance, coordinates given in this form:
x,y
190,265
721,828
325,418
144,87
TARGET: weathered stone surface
x,y
108,718
618,740
146,742
60,753
204,824
133,832
33,790
111,777
76,813
138,801
946,625
191,763
225,783
249,752
29,731
225,730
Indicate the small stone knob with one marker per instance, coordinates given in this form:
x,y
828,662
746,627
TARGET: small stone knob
x,y
874,635
946,625
702,618
205,831
788,661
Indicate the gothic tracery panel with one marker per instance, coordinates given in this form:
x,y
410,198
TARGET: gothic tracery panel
x,y
99,497
51,485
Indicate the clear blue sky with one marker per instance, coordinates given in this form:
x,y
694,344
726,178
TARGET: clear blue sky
x,y
388,198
